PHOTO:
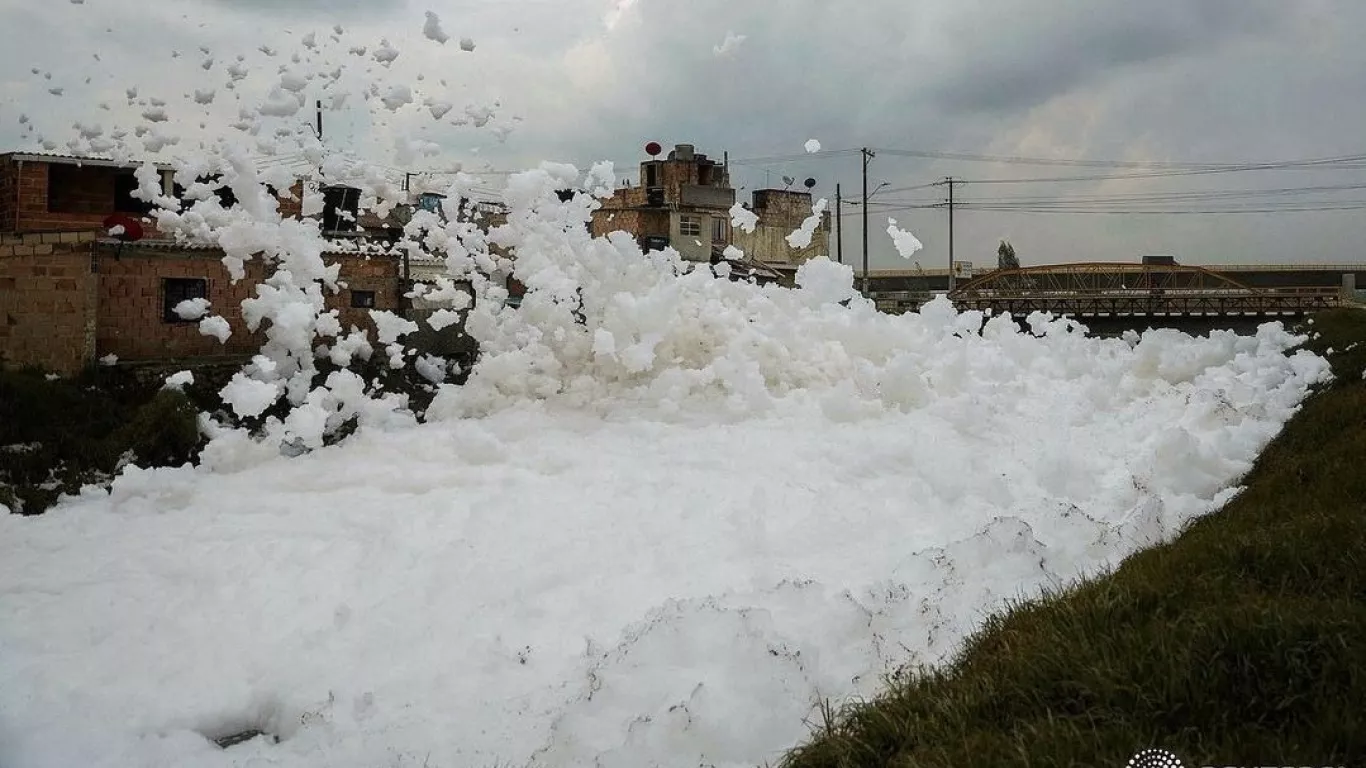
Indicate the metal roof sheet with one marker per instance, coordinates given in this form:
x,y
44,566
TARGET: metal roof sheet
x,y
57,157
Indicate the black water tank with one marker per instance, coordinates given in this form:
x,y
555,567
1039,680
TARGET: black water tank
x,y
1165,261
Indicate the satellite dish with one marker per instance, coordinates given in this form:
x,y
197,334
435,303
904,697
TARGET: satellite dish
x,y
123,228
789,181
809,183
653,149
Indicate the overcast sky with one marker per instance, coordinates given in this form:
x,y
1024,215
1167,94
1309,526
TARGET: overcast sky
x,y
1165,81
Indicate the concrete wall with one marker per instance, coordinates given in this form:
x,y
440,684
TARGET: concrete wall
x,y
47,300
694,247
781,212
693,196
768,243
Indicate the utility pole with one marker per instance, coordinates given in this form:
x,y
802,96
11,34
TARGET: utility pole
x,y
839,228
949,181
867,155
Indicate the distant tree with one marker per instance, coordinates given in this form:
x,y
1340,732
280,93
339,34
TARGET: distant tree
x,y
1005,256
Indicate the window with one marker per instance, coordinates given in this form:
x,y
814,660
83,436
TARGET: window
x,y
651,175
720,229
689,225
74,189
341,205
125,184
363,299
177,289
516,291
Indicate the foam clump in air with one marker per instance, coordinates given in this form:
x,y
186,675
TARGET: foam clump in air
x,y
906,244
801,238
743,218
432,30
191,309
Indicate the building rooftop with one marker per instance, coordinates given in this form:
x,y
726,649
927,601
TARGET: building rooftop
x,y
91,160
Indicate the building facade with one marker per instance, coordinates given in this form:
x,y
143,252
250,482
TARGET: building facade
x,y
70,295
781,212
684,201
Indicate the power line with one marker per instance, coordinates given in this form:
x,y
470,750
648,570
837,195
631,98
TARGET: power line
x,y
1354,205
1172,196
778,159
896,208
1129,164
1164,174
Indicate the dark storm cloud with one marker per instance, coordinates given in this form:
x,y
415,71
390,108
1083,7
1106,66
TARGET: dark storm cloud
x,y
1022,57
324,9
1194,80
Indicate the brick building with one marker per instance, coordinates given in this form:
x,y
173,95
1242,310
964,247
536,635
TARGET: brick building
x,y
69,295
781,212
684,201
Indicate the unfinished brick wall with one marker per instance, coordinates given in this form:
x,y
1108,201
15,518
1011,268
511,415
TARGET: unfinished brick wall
x,y
639,222
54,197
292,202
673,174
624,197
130,320
132,296
36,196
780,213
47,298
782,206
379,274
81,196
9,193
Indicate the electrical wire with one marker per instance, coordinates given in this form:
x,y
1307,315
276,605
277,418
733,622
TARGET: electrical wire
x,y
1350,160
823,154
1316,207
1167,196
